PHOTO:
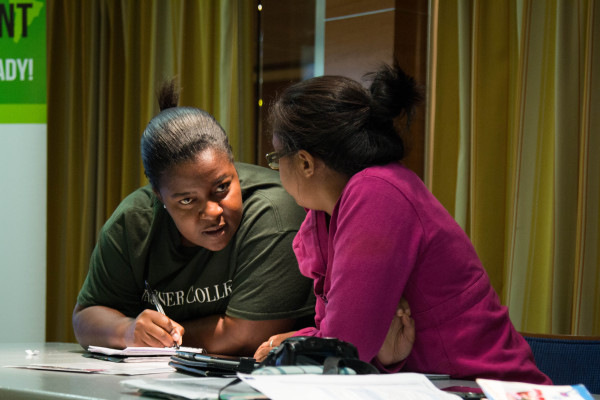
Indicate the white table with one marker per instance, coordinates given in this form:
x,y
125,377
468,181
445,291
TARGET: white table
x,y
18,383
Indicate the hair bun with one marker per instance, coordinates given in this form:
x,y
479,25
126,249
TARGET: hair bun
x,y
168,94
393,92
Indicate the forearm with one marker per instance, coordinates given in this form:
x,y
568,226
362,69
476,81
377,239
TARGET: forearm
x,y
388,369
220,334
100,326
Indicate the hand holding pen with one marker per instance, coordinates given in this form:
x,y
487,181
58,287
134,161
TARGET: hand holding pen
x,y
175,330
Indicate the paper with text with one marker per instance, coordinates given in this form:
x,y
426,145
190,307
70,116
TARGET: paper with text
x,y
406,386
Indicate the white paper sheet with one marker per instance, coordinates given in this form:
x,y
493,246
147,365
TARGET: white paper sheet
x,y
103,367
193,388
406,386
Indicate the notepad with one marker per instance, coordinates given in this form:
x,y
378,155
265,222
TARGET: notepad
x,y
142,351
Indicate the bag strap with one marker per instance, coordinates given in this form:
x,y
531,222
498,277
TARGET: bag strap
x,y
332,365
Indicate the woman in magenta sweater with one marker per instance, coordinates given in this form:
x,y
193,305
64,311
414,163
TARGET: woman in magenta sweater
x,y
374,234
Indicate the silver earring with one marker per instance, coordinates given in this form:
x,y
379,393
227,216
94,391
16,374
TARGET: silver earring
x,y
165,206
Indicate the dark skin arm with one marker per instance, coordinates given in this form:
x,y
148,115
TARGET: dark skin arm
x,y
104,326
220,334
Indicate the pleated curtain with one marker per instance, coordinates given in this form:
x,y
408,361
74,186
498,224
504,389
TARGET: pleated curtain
x,y
513,149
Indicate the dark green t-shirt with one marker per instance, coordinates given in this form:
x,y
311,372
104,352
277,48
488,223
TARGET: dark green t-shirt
x,y
255,277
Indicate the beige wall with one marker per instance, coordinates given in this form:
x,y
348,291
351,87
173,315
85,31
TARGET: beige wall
x,y
359,36
362,34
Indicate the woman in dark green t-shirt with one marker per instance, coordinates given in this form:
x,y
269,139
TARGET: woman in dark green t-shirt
x,y
211,238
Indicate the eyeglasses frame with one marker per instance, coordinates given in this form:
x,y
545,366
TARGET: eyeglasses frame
x,y
273,160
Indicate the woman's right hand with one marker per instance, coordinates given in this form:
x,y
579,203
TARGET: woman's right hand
x,y
153,329
264,349
400,337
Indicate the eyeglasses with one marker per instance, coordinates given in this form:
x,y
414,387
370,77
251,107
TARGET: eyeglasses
x,y
273,160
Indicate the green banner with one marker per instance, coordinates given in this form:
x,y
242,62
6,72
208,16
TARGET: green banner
x,y
22,61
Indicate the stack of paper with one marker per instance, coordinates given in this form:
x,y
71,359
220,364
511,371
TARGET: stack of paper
x,y
137,354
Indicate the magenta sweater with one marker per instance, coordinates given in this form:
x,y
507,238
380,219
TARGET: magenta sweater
x,y
389,237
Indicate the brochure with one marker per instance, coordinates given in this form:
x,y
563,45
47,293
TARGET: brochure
x,y
499,390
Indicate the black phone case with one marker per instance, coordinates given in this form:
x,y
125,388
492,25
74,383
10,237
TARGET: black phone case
x,y
188,367
214,363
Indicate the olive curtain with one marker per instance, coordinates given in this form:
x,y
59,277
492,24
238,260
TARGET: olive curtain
x,y
106,59
513,145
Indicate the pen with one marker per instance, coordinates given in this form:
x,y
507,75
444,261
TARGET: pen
x,y
154,300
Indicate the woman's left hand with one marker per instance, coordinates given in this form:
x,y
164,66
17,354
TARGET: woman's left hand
x,y
274,341
400,337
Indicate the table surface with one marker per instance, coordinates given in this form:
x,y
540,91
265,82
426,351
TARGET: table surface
x,y
20,383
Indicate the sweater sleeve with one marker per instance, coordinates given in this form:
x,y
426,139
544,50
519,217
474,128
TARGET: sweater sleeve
x,y
376,236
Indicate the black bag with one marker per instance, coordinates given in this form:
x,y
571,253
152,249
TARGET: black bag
x,y
330,353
